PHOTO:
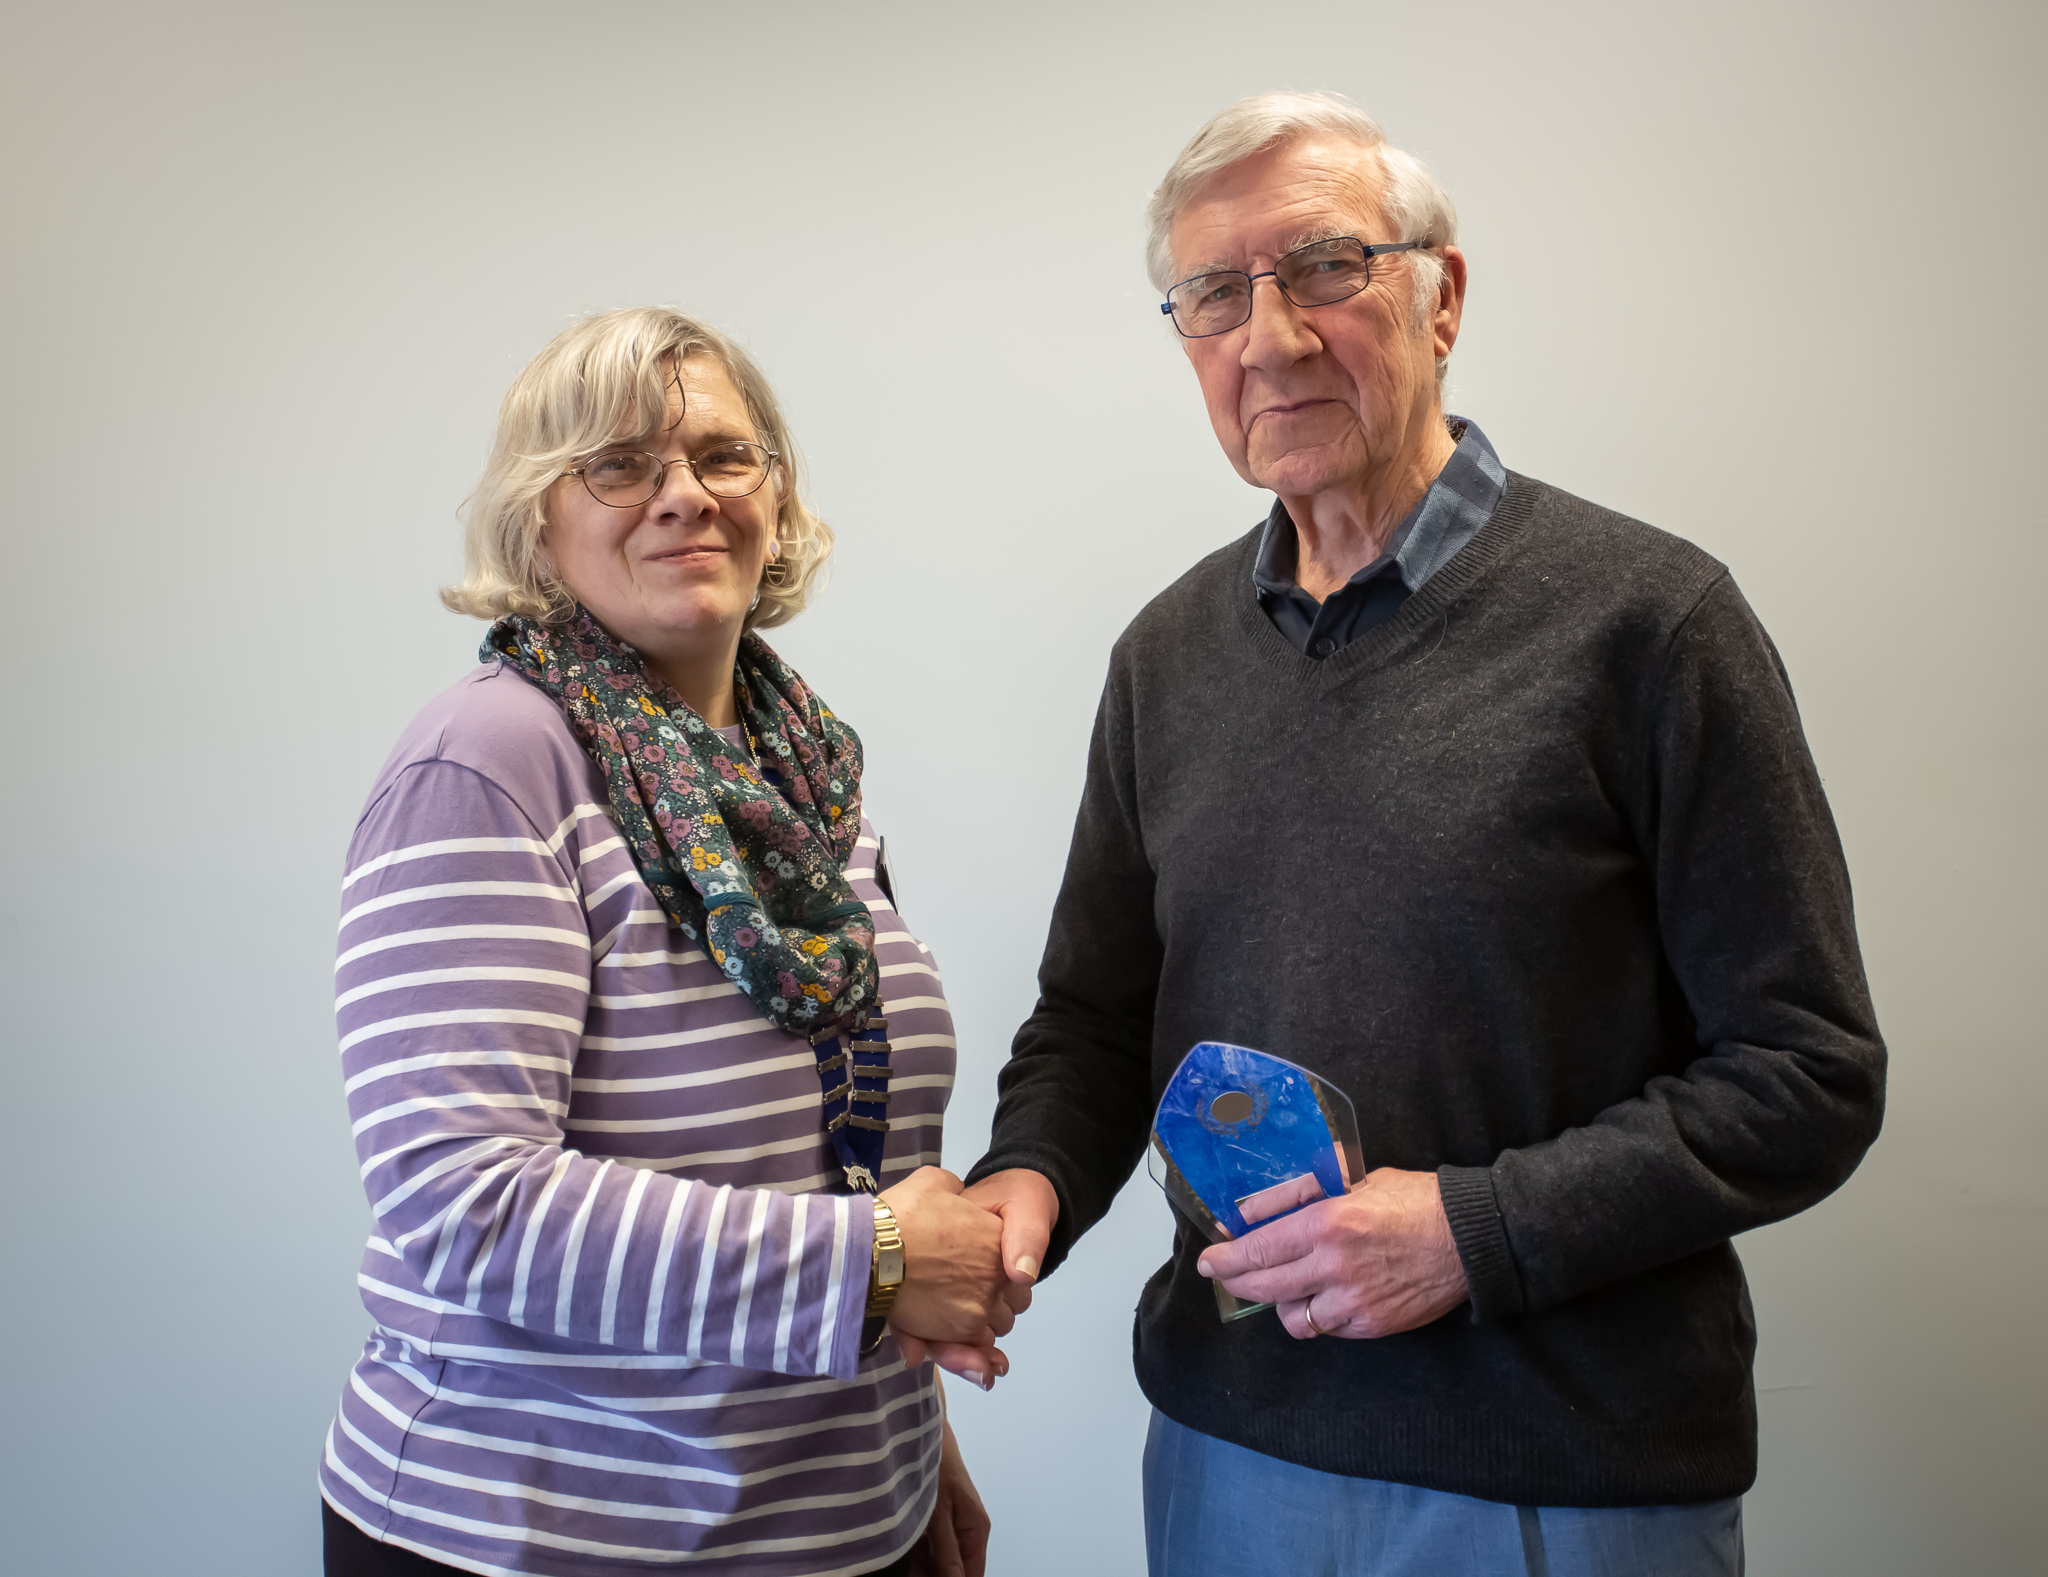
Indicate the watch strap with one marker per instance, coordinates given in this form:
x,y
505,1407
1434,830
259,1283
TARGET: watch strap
x,y
885,1276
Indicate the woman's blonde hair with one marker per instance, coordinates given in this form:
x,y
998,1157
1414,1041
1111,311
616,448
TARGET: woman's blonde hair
x,y
602,380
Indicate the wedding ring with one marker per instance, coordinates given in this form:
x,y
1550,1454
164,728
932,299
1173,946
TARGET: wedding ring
x,y
1309,1314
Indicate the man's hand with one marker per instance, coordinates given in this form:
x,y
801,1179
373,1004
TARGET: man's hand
x,y
1374,1263
1028,1208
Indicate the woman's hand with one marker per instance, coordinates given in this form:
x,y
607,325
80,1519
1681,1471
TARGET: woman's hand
x,y
955,1542
981,1366
954,1290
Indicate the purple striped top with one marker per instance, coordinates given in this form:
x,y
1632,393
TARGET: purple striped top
x,y
615,1319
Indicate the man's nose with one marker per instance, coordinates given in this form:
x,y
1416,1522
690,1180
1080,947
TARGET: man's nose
x,y
1279,335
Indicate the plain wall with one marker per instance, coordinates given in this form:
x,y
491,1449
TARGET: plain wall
x,y
1765,275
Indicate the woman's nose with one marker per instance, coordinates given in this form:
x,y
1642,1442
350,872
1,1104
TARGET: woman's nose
x,y
681,492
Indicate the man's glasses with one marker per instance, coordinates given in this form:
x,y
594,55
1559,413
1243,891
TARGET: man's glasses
x,y
1310,276
626,478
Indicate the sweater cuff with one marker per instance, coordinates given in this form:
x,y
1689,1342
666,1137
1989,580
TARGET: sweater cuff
x,y
1482,1239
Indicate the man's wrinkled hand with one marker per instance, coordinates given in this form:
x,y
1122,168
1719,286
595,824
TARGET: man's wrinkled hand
x,y
1376,1262
1028,1208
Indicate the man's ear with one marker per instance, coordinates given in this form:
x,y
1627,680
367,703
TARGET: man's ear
x,y
1449,312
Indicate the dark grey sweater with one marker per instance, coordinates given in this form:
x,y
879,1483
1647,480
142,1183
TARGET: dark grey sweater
x,y
1541,874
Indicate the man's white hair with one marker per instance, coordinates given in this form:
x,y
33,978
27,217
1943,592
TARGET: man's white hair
x,y
1413,205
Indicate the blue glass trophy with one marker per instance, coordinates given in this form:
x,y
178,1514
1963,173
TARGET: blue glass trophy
x,y
1241,1139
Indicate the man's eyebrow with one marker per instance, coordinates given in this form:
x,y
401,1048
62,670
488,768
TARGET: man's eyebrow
x,y
1324,232
1301,238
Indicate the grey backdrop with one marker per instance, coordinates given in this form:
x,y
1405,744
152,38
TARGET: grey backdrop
x,y
1766,275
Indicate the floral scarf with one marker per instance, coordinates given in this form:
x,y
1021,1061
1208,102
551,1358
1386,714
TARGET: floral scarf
x,y
756,864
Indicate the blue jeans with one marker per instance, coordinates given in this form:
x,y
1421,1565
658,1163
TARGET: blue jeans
x,y
1218,1510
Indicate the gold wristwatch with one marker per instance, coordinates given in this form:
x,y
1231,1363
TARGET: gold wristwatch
x,y
885,1275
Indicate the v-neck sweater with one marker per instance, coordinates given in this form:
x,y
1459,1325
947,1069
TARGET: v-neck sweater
x,y
1540,873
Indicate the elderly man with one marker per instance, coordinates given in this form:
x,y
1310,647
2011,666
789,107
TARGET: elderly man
x,y
1491,807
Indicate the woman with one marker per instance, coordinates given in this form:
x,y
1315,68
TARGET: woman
x,y
617,958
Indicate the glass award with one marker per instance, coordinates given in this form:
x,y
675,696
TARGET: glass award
x,y
1241,1139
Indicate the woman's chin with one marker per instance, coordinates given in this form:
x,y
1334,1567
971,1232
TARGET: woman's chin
x,y
701,611
679,622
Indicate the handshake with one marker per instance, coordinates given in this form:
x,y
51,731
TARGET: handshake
x,y
1374,1261
970,1257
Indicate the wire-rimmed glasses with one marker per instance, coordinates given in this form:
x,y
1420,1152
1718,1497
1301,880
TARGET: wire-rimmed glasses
x,y
1310,276
627,478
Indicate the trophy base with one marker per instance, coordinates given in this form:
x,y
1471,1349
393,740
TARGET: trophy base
x,y
1230,1308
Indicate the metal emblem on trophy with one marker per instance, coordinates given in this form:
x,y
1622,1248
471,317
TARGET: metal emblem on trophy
x,y
1241,1139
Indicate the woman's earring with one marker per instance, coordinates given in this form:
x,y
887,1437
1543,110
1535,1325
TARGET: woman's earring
x,y
776,573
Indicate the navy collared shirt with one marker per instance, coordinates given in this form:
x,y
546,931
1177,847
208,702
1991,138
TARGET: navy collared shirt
x,y
1458,503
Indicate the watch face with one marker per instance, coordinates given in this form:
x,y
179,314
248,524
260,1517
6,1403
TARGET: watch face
x,y
889,1266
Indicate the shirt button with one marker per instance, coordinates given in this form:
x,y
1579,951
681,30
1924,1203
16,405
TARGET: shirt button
x,y
1325,646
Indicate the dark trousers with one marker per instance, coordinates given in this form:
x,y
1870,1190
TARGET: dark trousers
x,y
350,1552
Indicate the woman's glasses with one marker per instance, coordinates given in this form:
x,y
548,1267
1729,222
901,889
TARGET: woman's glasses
x,y
625,478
